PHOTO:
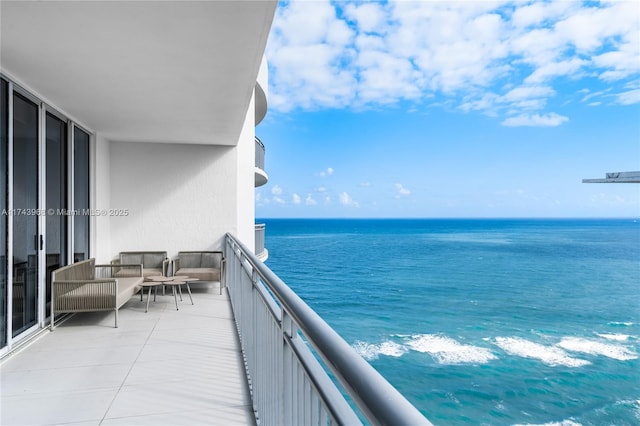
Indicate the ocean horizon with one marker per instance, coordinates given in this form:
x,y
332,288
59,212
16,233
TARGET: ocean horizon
x,y
493,321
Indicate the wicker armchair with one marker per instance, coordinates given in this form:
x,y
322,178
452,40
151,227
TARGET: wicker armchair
x,y
153,262
204,265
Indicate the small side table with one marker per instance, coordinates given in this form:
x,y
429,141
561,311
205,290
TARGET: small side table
x,y
150,285
186,280
173,284
158,278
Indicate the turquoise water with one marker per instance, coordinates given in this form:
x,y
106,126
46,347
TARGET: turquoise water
x,y
496,322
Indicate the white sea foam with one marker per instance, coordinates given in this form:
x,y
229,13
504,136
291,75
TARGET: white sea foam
x,y
593,347
371,351
449,351
550,355
614,336
560,423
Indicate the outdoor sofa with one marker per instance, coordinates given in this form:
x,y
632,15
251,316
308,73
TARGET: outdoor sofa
x,y
87,287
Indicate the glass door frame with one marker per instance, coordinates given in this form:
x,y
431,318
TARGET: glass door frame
x,y
42,260
13,90
42,320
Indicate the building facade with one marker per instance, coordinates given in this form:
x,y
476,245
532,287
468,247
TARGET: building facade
x,y
125,126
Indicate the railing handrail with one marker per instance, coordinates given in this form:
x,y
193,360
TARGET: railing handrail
x,y
378,400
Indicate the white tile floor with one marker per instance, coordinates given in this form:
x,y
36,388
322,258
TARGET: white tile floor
x,y
164,367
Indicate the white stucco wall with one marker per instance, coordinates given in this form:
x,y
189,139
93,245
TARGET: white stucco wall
x,y
178,196
100,225
246,151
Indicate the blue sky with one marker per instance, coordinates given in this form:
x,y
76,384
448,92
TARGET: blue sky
x,y
451,109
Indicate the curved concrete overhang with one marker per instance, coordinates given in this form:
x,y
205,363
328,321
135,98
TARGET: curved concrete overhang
x,y
143,71
262,90
260,178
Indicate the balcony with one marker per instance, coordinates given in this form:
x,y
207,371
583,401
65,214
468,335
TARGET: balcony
x,y
243,357
261,252
261,88
260,175
161,367
617,177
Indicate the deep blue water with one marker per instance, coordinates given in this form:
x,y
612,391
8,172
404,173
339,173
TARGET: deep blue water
x,y
496,322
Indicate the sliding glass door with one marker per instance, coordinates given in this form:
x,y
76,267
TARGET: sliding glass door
x,y
26,238
80,194
56,200
4,205
44,206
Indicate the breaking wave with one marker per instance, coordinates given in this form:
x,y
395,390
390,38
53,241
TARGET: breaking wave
x,y
561,423
592,347
549,355
371,352
446,350
614,336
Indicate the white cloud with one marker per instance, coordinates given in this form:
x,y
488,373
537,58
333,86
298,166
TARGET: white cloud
x,y
279,200
308,45
401,190
469,55
628,98
310,201
536,14
551,70
276,190
321,189
366,184
535,120
369,16
295,198
327,172
527,92
619,64
346,200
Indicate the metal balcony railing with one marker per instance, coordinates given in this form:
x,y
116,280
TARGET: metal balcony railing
x,y
259,154
289,385
259,238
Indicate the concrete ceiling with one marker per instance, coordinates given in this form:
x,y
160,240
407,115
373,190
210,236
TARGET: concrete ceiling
x,y
143,71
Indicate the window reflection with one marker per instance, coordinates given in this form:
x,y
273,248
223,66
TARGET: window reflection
x,y
81,194
25,226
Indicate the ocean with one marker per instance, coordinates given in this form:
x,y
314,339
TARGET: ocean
x,y
495,322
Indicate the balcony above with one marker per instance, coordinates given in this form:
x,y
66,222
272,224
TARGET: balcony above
x,y
169,71
617,177
261,91
261,176
260,250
